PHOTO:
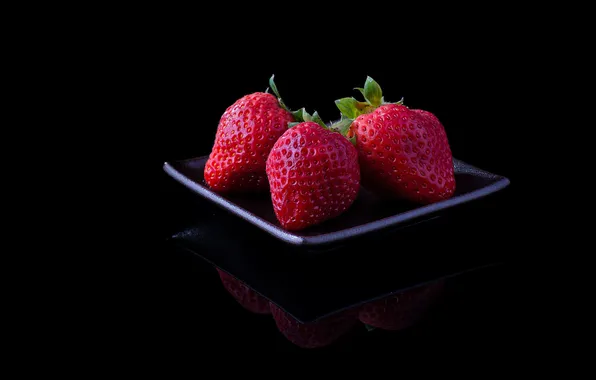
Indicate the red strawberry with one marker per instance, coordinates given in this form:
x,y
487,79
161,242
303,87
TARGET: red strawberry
x,y
401,310
245,296
403,152
313,173
246,133
314,334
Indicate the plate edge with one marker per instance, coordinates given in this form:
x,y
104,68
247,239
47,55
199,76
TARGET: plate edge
x,y
246,215
332,237
413,214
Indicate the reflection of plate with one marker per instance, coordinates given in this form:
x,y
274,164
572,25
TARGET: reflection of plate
x,y
310,285
367,214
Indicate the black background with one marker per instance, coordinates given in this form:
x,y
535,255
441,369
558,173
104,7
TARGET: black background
x,y
186,78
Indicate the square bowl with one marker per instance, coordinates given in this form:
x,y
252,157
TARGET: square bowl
x,y
367,215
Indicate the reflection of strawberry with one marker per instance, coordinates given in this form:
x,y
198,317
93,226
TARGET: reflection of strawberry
x,y
246,132
403,152
247,297
314,334
402,310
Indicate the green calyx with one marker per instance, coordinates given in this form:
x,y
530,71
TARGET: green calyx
x,y
351,108
372,92
301,116
343,127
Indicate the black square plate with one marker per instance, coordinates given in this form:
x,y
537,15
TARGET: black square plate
x,y
368,214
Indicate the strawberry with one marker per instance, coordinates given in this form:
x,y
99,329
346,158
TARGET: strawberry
x,y
402,310
248,298
404,153
246,133
313,173
315,334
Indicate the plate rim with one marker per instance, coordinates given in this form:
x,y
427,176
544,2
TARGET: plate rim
x,y
330,237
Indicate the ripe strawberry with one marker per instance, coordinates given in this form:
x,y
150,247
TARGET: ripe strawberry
x,y
246,133
403,152
313,173
248,298
314,334
402,310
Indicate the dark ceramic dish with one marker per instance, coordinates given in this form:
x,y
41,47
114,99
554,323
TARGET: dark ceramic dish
x,y
368,213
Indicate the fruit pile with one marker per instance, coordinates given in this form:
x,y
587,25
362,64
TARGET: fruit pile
x,y
314,171
395,312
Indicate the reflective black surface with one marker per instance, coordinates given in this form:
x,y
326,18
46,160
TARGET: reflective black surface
x,y
396,312
469,247
311,285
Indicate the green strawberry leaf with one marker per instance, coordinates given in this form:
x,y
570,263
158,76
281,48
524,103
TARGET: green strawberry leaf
x,y
372,92
276,92
299,115
273,86
348,107
360,89
317,119
342,126
293,124
369,327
